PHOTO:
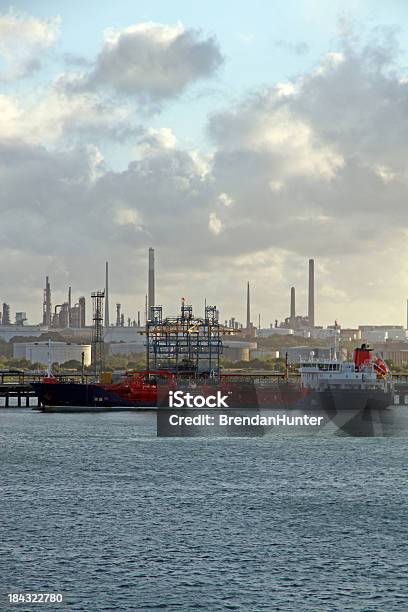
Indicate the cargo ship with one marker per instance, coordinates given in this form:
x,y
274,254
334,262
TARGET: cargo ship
x,y
321,384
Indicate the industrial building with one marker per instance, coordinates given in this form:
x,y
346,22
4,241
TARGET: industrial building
x,y
393,350
7,332
399,357
5,314
65,315
381,333
265,354
238,350
52,352
124,334
127,348
297,354
274,331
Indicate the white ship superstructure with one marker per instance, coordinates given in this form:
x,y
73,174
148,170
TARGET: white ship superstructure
x,y
364,372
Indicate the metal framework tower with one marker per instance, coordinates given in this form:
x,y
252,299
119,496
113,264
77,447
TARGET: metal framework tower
x,y
187,345
98,352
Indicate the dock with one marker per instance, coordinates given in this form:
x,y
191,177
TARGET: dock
x,y
16,385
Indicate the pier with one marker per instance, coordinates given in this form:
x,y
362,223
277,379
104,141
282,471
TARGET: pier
x,y
16,385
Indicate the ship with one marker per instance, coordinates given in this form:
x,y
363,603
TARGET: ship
x,y
133,390
329,385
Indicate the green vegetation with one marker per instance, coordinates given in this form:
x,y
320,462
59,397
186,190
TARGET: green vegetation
x,y
263,363
124,362
9,363
112,363
51,335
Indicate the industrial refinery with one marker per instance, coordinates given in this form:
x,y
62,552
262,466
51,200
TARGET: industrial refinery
x,y
76,319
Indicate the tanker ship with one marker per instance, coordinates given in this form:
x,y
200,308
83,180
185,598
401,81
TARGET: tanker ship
x,y
322,384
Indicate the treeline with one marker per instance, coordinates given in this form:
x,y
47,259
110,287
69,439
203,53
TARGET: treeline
x,y
112,363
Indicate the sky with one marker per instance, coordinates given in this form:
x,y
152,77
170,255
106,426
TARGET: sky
x,y
238,139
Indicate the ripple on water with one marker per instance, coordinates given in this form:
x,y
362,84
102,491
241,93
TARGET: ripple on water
x,y
116,519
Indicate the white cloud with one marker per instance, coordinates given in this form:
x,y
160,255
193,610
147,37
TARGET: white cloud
x,y
127,216
151,62
57,118
267,126
276,186
225,200
23,40
214,224
385,174
155,140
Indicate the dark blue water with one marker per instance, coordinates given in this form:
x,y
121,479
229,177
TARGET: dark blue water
x,y
100,509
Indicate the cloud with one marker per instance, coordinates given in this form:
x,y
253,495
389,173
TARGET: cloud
x,y
126,216
266,127
55,118
317,168
150,62
332,152
214,224
154,140
23,41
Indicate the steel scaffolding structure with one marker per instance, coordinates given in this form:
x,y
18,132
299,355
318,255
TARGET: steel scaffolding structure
x,y
187,345
98,347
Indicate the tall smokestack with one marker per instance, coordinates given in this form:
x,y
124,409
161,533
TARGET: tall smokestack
x,y
47,303
311,313
69,306
150,286
248,321
106,295
292,303
82,313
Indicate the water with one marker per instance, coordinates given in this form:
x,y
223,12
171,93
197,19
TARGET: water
x,y
100,509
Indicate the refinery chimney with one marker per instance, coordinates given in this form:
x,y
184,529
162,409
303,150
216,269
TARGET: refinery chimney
x,y
248,313
150,285
69,305
106,295
311,312
47,303
292,303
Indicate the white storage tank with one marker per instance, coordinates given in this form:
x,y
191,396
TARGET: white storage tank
x,y
52,352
